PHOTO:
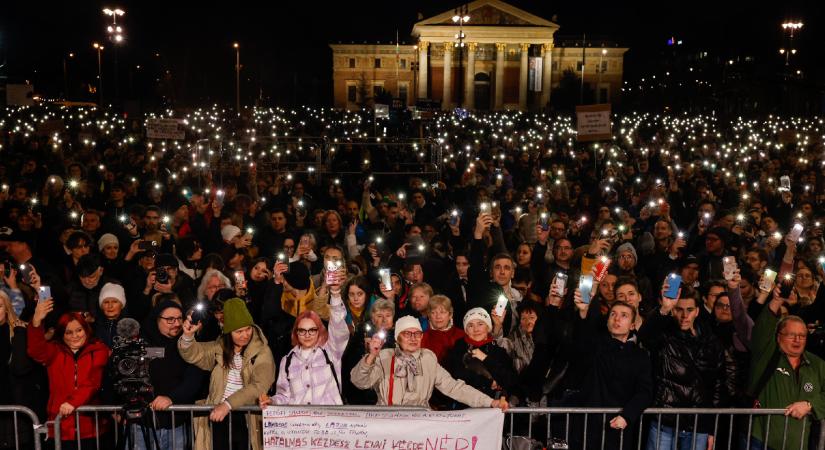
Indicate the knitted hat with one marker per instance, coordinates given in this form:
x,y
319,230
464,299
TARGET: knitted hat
x,y
230,231
478,314
627,247
107,239
405,323
112,290
235,315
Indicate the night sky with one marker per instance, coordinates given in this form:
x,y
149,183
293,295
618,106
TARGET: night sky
x,y
284,45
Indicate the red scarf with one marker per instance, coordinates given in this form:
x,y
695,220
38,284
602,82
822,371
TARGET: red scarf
x,y
477,344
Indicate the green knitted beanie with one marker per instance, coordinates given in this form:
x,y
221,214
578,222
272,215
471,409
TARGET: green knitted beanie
x,y
235,315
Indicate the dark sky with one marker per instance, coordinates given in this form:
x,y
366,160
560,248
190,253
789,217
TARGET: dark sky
x,y
285,44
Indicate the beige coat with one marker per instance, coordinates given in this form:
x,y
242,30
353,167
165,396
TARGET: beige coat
x,y
377,376
258,374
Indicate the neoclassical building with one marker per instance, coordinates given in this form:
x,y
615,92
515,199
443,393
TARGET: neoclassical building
x,y
509,60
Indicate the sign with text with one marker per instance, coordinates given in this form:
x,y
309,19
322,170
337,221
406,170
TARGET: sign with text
x,y
165,129
593,123
534,73
315,428
382,111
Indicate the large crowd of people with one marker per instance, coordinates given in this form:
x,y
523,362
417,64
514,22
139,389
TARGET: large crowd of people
x,y
278,261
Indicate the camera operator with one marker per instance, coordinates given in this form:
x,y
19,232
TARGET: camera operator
x,y
174,380
166,278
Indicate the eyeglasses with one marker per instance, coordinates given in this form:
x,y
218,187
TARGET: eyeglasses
x,y
794,336
412,334
172,320
721,305
306,331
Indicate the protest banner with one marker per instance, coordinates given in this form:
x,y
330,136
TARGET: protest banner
x,y
165,129
286,428
593,123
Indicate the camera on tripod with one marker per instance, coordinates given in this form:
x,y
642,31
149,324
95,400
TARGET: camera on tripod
x,y
130,369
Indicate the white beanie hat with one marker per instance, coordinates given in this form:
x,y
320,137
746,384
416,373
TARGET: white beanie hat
x,y
478,314
229,231
405,323
107,239
112,290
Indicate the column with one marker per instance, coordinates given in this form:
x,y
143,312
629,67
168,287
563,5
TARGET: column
x,y
422,69
499,98
447,92
522,78
546,73
469,77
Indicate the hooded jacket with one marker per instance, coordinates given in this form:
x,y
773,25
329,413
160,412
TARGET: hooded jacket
x,y
74,378
257,373
170,376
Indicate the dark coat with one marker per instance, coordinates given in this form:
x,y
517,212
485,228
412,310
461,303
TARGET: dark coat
x,y
24,383
498,367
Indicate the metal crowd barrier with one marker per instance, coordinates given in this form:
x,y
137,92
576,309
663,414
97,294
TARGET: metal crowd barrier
x,y
37,427
567,428
527,428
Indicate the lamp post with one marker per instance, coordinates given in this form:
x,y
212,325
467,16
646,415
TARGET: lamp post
x,y
601,70
237,48
99,49
790,27
66,75
460,17
116,37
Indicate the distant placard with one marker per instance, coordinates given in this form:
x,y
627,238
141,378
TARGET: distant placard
x,y
165,129
593,123
469,429
534,73
382,111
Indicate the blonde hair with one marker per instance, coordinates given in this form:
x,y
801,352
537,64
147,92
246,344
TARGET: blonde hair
x,y
11,316
442,301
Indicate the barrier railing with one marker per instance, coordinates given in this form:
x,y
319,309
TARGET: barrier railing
x,y
531,428
19,424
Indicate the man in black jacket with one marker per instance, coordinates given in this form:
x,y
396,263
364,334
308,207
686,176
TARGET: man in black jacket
x,y
613,371
174,380
689,367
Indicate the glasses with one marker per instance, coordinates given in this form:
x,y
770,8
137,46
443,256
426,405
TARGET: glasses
x,y
289,247
794,336
172,320
412,334
306,331
721,305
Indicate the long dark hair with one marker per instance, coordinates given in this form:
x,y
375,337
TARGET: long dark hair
x,y
228,347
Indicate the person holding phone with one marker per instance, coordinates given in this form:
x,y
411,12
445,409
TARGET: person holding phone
x,y
407,374
479,361
310,374
689,367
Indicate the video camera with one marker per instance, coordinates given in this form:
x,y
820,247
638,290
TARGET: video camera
x,y
129,368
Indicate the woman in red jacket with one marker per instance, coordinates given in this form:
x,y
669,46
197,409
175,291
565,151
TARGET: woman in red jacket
x,y
75,363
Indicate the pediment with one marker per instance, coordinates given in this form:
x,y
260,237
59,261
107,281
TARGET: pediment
x,y
491,13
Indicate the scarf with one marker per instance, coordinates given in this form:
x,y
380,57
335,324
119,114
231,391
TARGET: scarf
x,y
295,305
477,344
406,368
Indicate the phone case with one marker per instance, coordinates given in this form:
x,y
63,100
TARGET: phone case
x,y
585,285
674,282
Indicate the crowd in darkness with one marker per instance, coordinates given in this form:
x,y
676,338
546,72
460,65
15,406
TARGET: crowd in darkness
x,y
678,265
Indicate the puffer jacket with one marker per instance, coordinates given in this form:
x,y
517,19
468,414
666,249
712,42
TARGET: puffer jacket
x,y
74,378
688,370
258,373
315,374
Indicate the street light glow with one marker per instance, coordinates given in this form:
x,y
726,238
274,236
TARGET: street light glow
x,y
235,45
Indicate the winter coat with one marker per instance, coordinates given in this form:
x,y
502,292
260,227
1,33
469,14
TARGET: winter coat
x,y
498,367
24,383
74,378
315,374
258,373
689,370
170,376
441,341
377,376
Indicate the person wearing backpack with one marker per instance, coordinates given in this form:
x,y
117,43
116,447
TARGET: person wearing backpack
x,y
310,374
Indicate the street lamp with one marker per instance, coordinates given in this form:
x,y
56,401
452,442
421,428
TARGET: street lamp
x,y
99,49
460,17
790,27
237,48
116,37
601,70
66,75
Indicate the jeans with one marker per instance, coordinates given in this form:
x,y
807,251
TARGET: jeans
x,y
666,439
164,438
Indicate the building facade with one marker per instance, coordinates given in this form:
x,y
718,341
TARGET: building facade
x,y
508,60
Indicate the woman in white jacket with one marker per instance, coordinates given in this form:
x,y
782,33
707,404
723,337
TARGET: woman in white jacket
x,y
310,374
